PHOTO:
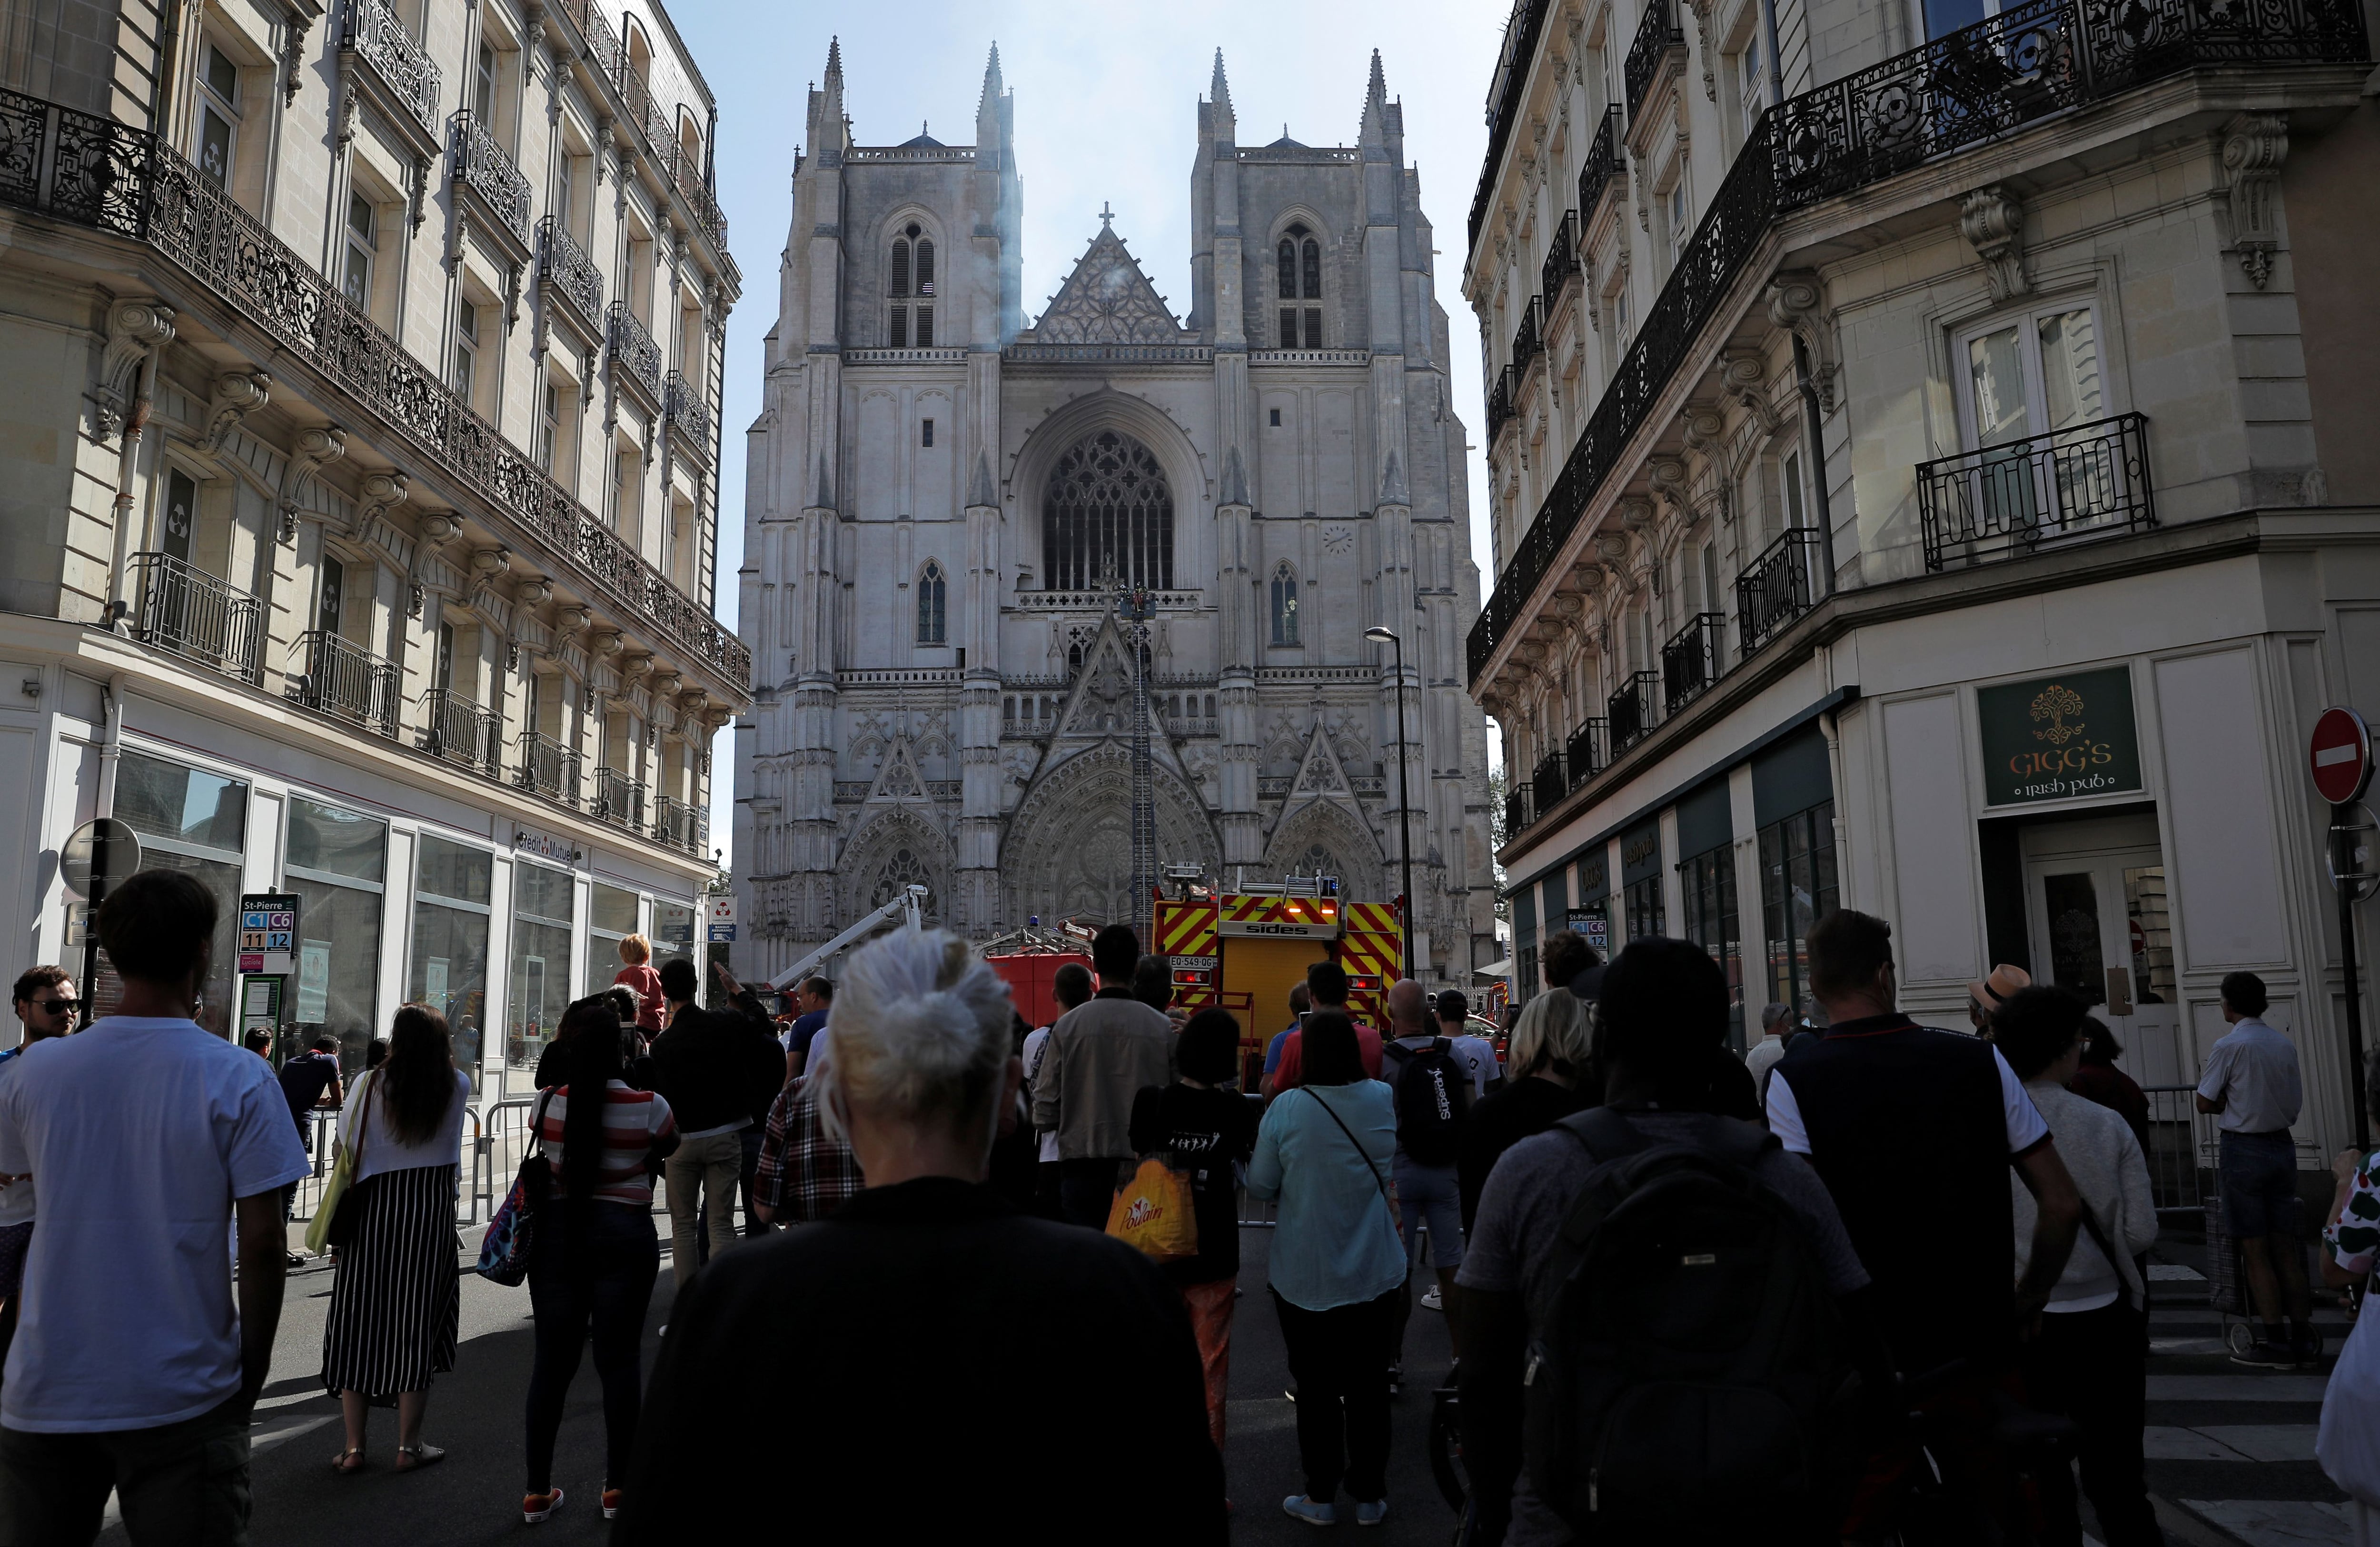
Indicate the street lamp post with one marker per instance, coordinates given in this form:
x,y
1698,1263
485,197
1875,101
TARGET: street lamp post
x,y
1381,635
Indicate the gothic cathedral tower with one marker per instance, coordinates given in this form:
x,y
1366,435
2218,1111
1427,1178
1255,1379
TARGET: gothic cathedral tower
x,y
940,499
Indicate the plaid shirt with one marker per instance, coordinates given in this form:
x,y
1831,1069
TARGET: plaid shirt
x,y
805,1173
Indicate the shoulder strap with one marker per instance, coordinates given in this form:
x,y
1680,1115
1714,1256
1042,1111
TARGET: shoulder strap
x,y
1739,1143
537,1118
1362,1154
2099,1239
363,1119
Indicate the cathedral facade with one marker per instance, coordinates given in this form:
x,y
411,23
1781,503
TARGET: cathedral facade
x,y
945,498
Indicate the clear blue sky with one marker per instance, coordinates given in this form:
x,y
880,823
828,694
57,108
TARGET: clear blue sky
x,y
1105,111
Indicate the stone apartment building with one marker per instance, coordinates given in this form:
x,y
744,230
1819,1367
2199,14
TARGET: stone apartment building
x,y
1932,472
358,536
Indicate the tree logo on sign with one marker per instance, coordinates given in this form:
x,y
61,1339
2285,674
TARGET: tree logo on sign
x,y
2054,704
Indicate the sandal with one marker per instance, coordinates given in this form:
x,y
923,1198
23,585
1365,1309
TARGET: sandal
x,y
348,1462
419,1456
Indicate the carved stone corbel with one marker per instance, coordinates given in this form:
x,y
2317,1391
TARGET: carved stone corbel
x,y
1797,301
1668,475
134,327
2254,145
1702,10
317,446
1745,371
237,395
381,493
1611,545
418,193
295,24
486,565
1992,219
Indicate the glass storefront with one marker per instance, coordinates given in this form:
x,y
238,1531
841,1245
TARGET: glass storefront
x,y
672,931
543,911
194,822
337,870
452,887
1798,887
610,917
1706,888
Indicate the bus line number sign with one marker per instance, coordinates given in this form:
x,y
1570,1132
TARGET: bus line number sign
x,y
268,933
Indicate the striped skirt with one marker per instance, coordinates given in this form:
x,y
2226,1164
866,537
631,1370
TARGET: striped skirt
x,y
393,1304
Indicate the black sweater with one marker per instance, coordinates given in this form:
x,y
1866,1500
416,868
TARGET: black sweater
x,y
715,1067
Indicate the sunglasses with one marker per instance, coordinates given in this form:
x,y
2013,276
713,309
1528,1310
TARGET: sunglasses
x,y
58,1006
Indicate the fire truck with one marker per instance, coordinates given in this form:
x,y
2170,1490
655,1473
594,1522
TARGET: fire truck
x,y
1244,950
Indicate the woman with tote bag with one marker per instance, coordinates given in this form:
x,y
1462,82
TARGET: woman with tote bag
x,y
2347,1445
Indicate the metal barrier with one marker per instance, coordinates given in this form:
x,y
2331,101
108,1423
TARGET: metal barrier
x,y
2181,1151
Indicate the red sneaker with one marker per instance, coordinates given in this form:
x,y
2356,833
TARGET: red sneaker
x,y
611,1503
538,1508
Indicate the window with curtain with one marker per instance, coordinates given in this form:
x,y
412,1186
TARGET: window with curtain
x,y
336,868
1298,258
932,592
453,891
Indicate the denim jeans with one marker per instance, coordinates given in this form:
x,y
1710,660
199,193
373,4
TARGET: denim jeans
x,y
182,1484
605,1288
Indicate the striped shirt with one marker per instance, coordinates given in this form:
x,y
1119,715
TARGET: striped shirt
x,y
634,1121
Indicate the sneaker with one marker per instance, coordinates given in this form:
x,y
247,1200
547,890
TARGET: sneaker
x,y
2262,1355
538,1508
1372,1513
2305,1342
611,1502
1297,1506
1431,1299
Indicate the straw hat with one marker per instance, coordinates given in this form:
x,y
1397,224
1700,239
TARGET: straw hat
x,y
1991,992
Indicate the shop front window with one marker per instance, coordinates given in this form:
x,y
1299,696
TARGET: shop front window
x,y
194,822
1646,914
672,931
611,917
1706,886
336,865
543,911
451,889
1797,888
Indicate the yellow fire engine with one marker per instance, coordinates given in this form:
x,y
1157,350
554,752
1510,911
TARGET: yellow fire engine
x,y
1245,950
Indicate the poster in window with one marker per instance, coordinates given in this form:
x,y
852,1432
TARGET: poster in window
x,y
314,983
433,983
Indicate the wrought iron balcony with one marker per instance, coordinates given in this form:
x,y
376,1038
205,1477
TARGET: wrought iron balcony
x,y
482,166
1603,163
1692,660
1775,588
2009,500
1561,259
1520,812
74,168
602,44
1629,712
564,268
1499,405
1587,751
1529,339
687,413
2033,60
402,64
619,799
460,731
680,825
1657,33
178,607
1511,87
548,768
633,349
1550,782
335,677
686,176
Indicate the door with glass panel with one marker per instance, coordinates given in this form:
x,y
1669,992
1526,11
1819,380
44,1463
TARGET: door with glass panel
x,y
2031,394
2097,913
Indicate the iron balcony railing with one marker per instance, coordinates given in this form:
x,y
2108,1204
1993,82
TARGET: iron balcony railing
x,y
1561,259
1692,660
403,65
2033,60
547,768
1519,813
1521,35
1657,33
1529,339
688,412
1602,164
633,348
1499,404
2006,501
690,178
336,676
1548,781
680,825
484,167
74,168
1587,753
460,731
178,607
1629,712
619,799
564,268
1775,588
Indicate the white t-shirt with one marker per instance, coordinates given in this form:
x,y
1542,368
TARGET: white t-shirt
x,y
142,1133
2026,1126
1478,1056
384,1150
16,1196
1037,1042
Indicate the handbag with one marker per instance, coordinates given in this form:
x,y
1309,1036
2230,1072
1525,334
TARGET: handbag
x,y
333,1223
1152,1213
506,1249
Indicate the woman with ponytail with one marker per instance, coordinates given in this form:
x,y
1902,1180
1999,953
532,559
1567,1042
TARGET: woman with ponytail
x,y
596,1255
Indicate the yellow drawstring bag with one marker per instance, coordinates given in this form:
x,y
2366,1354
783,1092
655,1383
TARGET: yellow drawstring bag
x,y
1152,1213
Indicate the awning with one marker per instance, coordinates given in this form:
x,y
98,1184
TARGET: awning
x,y
1494,969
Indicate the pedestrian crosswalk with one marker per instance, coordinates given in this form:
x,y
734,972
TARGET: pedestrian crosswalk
x,y
2229,1447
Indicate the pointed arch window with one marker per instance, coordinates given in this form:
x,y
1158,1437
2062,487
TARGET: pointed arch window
x,y
1284,605
932,595
1299,258
1109,512
909,291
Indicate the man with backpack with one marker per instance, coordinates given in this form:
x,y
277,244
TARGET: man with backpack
x,y
1433,1093
1662,1301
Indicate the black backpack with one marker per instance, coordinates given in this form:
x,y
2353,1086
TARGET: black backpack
x,y
1687,1379
1433,1101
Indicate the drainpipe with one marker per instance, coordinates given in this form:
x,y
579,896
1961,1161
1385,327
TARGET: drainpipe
x,y
161,95
1776,75
126,470
1817,442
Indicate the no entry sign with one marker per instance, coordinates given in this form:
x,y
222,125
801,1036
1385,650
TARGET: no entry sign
x,y
2341,755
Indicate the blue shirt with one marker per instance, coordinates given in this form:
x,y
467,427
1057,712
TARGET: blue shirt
x,y
1272,1049
2253,1071
805,1027
140,1133
1336,1239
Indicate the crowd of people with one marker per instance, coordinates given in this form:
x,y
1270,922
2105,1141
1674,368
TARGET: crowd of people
x,y
1871,1281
